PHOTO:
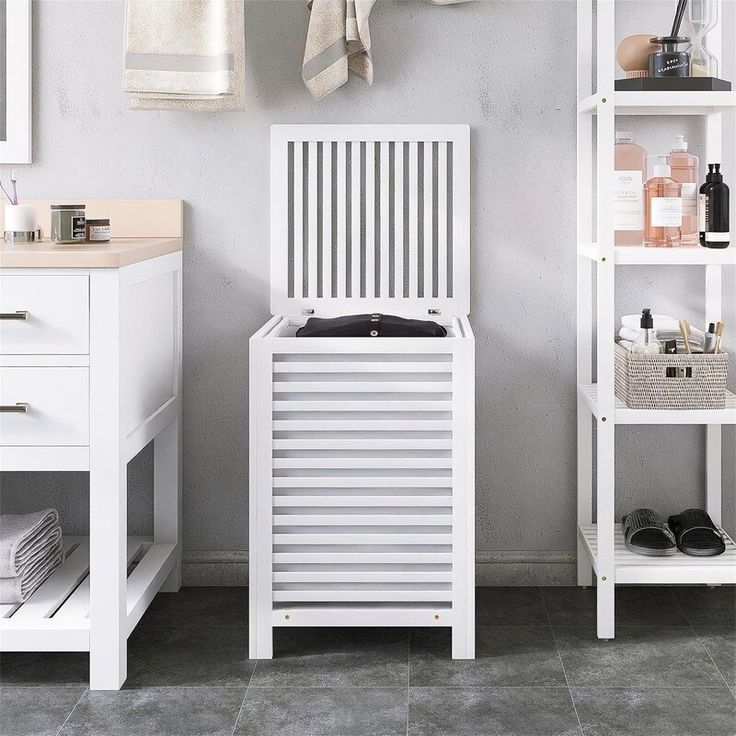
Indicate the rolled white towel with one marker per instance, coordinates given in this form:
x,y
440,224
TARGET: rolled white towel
x,y
662,324
19,588
26,537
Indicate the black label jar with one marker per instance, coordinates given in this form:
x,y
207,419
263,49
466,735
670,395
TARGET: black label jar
x,y
68,223
98,231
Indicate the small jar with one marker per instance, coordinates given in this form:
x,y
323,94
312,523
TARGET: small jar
x,y
98,231
68,223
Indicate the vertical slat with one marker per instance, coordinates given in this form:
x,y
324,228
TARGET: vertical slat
x,y
428,219
386,258
369,252
312,209
442,220
356,175
451,270
343,231
289,220
398,223
298,220
328,214
413,225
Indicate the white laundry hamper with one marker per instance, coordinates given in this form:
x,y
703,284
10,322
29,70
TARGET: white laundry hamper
x,y
362,449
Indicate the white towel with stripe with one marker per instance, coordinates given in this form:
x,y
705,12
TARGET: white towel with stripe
x,y
184,54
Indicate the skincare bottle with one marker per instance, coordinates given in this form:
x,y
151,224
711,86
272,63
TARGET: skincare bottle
x,y
714,206
709,344
662,209
685,169
670,61
646,342
630,163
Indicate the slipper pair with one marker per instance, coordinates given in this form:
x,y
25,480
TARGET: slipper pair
x,y
692,532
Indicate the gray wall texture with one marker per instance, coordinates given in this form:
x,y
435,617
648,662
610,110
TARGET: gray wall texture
x,y
508,69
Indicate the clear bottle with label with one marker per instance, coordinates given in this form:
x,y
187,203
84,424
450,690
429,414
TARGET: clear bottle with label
x,y
685,170
662,209
630,163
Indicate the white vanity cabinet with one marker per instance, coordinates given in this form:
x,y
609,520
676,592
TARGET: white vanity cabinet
x,y
90,373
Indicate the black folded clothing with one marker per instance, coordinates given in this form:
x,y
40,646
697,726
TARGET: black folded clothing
x,y
370,325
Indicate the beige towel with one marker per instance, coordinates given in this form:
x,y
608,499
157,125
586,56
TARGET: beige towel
x,y
185,54
338,42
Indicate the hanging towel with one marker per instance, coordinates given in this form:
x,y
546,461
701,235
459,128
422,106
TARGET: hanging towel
x,y
185,54
338,42
25,538
19,588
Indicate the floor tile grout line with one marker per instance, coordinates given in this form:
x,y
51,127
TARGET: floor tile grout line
x,y
242,702
562,664
69,715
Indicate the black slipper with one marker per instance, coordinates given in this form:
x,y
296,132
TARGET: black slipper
x,y
696,534
646,534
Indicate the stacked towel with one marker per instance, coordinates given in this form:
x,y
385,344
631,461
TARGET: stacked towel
x,y
185,54
668,328
30,550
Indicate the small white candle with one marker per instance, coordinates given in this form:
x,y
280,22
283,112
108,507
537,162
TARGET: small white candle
x,y
20,218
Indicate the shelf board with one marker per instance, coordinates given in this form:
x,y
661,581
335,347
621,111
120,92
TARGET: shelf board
x,y
624,415
661,103
56,616
693,255
676,569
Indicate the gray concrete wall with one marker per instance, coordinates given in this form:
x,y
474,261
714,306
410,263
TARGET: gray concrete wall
x,y
507,69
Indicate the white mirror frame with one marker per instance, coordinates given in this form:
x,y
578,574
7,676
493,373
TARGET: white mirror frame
x,y
15,46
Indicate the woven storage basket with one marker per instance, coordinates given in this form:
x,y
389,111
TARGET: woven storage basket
x,y
641,380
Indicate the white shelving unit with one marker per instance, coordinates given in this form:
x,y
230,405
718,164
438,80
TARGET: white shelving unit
x,y
601,550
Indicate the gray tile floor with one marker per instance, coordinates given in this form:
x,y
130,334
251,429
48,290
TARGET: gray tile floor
x,y
540,670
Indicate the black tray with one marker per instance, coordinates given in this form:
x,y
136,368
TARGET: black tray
x,y
673,84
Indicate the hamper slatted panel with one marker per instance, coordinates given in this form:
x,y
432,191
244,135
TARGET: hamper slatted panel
x,y
362,490
369,215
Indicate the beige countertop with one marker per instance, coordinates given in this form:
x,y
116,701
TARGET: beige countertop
x,y
118,252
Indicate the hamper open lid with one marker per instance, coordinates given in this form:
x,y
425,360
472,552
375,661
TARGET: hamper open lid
x,y
370,218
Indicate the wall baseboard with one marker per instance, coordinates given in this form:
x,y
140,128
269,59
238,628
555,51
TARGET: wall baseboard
x,y
230,567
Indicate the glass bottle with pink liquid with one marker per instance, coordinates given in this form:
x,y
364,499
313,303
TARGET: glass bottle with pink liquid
x,y
630,164
685,169
662,209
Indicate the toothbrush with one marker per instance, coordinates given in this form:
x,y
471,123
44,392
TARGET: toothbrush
x,y
719,333
10,199
685,330
14,182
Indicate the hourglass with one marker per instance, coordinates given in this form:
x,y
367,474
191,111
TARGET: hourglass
x,y
702,16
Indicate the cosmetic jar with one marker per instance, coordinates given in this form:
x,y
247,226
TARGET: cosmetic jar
x,y
67,223
98,231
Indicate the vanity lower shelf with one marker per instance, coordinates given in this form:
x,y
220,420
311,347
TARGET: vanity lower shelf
x,y
624,415
676,569
56,617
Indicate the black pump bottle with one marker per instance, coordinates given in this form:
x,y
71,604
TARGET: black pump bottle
x,y
714,206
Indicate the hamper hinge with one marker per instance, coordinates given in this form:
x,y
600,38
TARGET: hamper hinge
x,y
307,312
434,311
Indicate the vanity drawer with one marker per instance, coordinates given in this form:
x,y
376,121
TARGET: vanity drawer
x,y
44,406
44,314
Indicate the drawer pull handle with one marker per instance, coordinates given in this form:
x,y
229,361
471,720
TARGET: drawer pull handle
x,y
20,408
20,314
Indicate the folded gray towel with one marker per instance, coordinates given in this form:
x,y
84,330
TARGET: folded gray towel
x,y
25,537
19,588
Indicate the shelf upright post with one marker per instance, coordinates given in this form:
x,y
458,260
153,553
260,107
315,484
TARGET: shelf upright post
x,y
605,326
584,281
713,296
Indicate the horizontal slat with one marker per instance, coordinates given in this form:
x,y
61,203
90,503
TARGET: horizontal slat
x,y
305,558
365,405
385,576
393,539
367,424
348,501
363,387
362,367
362,595
349,482
362,444
389,519
365,614
362,462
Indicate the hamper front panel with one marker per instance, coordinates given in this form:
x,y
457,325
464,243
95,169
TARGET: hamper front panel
x,y
362,483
